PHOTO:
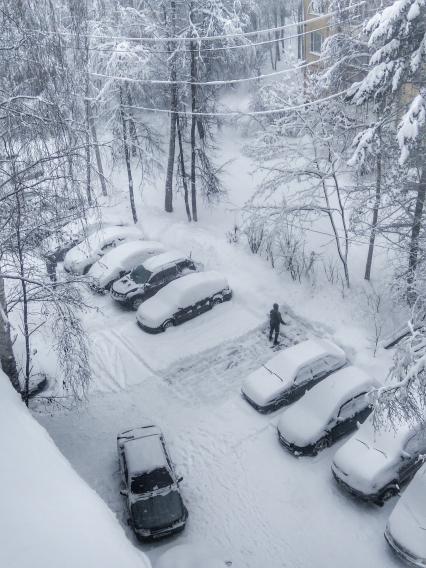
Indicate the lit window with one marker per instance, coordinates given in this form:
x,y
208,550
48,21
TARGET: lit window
x,y
316,42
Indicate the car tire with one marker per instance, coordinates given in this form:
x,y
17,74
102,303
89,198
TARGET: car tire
x,y
389,492
167,324
322,444
136,302
217,300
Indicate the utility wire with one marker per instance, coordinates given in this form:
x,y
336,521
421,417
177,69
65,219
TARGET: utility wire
x,y
240,113
201,38
208,83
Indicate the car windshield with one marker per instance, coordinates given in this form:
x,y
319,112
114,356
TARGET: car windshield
x,y
151,481
157,512
140,275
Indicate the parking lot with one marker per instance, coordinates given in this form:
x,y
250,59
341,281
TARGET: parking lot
x,y
246,496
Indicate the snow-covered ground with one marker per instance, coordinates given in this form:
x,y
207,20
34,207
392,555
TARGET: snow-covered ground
x,y
246,496
49,516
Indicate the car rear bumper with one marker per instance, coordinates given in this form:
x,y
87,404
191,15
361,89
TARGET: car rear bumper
x,y
403,552
148,329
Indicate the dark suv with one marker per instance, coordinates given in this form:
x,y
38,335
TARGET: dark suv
x,y
150,484
145,280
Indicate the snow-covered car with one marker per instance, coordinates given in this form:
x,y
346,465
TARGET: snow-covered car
x,y
190,556
406,528
377,459
80,258
327,412
120,261
183,299
150,483
148,278
287,376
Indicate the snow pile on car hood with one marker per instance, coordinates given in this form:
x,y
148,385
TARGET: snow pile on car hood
x,y
181,293
306,420
49,516
277,375
407,523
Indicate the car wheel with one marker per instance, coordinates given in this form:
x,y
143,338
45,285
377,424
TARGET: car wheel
x,y
217,300
136,303
167,324
322,444
389,492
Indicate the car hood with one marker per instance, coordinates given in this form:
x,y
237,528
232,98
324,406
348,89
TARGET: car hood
x,y
153,313
362,466
126,284
263,386
300,427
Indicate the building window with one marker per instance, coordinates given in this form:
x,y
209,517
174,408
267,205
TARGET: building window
x,y
316,42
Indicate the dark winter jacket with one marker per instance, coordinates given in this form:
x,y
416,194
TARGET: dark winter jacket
x,y
275,318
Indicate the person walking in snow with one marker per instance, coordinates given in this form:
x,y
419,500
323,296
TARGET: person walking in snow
x,y
275,320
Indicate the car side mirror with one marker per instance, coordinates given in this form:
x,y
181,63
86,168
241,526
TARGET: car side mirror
x,y
129,522
124,492
180,479
405,455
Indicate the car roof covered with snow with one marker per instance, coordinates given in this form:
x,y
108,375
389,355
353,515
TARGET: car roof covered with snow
x,y
372,450
169,257
180,293
278,374
143,449
98,239
119,256
407,522
305,421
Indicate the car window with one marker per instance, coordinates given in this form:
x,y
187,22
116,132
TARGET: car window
x,y
157,278
416,444
353,406
183,264
108,245
304,375
169,273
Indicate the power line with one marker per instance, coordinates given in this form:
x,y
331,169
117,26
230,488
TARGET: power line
x,y
240,113
208,83
203,38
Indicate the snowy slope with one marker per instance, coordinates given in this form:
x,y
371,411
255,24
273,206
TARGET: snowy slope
x,y
49,516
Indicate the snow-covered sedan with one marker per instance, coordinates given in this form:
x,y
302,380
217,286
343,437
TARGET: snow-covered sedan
x,y
406,528
148,278
150,483
183,299
120,261
327,412
377,459
287,376
80,258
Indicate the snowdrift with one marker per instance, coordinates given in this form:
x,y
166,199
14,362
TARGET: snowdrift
x,y
49,516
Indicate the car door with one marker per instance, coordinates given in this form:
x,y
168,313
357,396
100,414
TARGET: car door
x,y
350,413
301,383
410,463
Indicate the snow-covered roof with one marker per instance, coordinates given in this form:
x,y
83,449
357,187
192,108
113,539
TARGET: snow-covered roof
x,y
118,256
180,293
288,362
145,454
407,522
64,521
305,421
278,374
171,256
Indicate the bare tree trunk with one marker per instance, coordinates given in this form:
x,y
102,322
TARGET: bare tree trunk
x,y
7,357
88,155
277,36
376,207
183,170
415,234
132,126
127,159
193,125
97,153
168,193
